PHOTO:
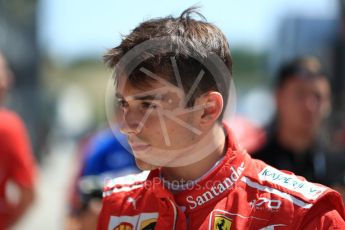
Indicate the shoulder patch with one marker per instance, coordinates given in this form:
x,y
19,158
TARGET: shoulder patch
x,y
141,221
291,182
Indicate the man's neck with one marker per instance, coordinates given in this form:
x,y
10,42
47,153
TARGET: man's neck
x,y
198,169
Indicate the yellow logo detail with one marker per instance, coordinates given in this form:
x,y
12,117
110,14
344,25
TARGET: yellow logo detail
x,y
221,223
124,226
148,224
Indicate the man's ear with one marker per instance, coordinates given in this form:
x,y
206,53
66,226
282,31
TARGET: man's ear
x,y
212,107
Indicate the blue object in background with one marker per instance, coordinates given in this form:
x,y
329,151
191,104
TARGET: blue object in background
x,y
105,154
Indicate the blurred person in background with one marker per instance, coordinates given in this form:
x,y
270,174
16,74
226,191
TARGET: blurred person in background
x,y
103,155
294,143
17,165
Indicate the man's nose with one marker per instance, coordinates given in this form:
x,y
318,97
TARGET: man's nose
x,y
129,121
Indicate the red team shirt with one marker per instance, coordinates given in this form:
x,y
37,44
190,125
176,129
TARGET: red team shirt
x,y
16,159
239,193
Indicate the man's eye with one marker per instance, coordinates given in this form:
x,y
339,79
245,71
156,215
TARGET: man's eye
x,y
149,105
121,103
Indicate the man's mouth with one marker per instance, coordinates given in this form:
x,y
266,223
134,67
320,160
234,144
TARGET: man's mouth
x,y
136,146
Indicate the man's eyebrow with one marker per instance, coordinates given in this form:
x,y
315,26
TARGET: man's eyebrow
x,y
147,97
140,97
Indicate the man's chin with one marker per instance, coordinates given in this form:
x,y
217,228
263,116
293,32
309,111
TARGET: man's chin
x,y
143,165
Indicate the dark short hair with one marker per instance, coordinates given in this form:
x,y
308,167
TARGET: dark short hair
x,y
303,67
192,41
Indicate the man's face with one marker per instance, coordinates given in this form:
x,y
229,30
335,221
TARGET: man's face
x,y
303,104
160,128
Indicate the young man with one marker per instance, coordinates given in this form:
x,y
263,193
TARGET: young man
x,y
303,101
172,79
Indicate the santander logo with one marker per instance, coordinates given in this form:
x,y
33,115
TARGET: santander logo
x,y
217,189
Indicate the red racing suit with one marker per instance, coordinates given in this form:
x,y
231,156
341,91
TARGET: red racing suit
x,y
239,193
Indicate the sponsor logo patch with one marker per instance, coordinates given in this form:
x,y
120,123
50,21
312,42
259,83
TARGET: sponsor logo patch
x,y
222,222
148,224
263,203
144,220
291,182
124,226
221,219
217,189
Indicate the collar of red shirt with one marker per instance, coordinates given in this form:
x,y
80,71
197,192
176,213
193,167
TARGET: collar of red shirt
x,y
216,185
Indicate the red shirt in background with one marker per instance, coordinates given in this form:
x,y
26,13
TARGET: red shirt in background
x,y
16,159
